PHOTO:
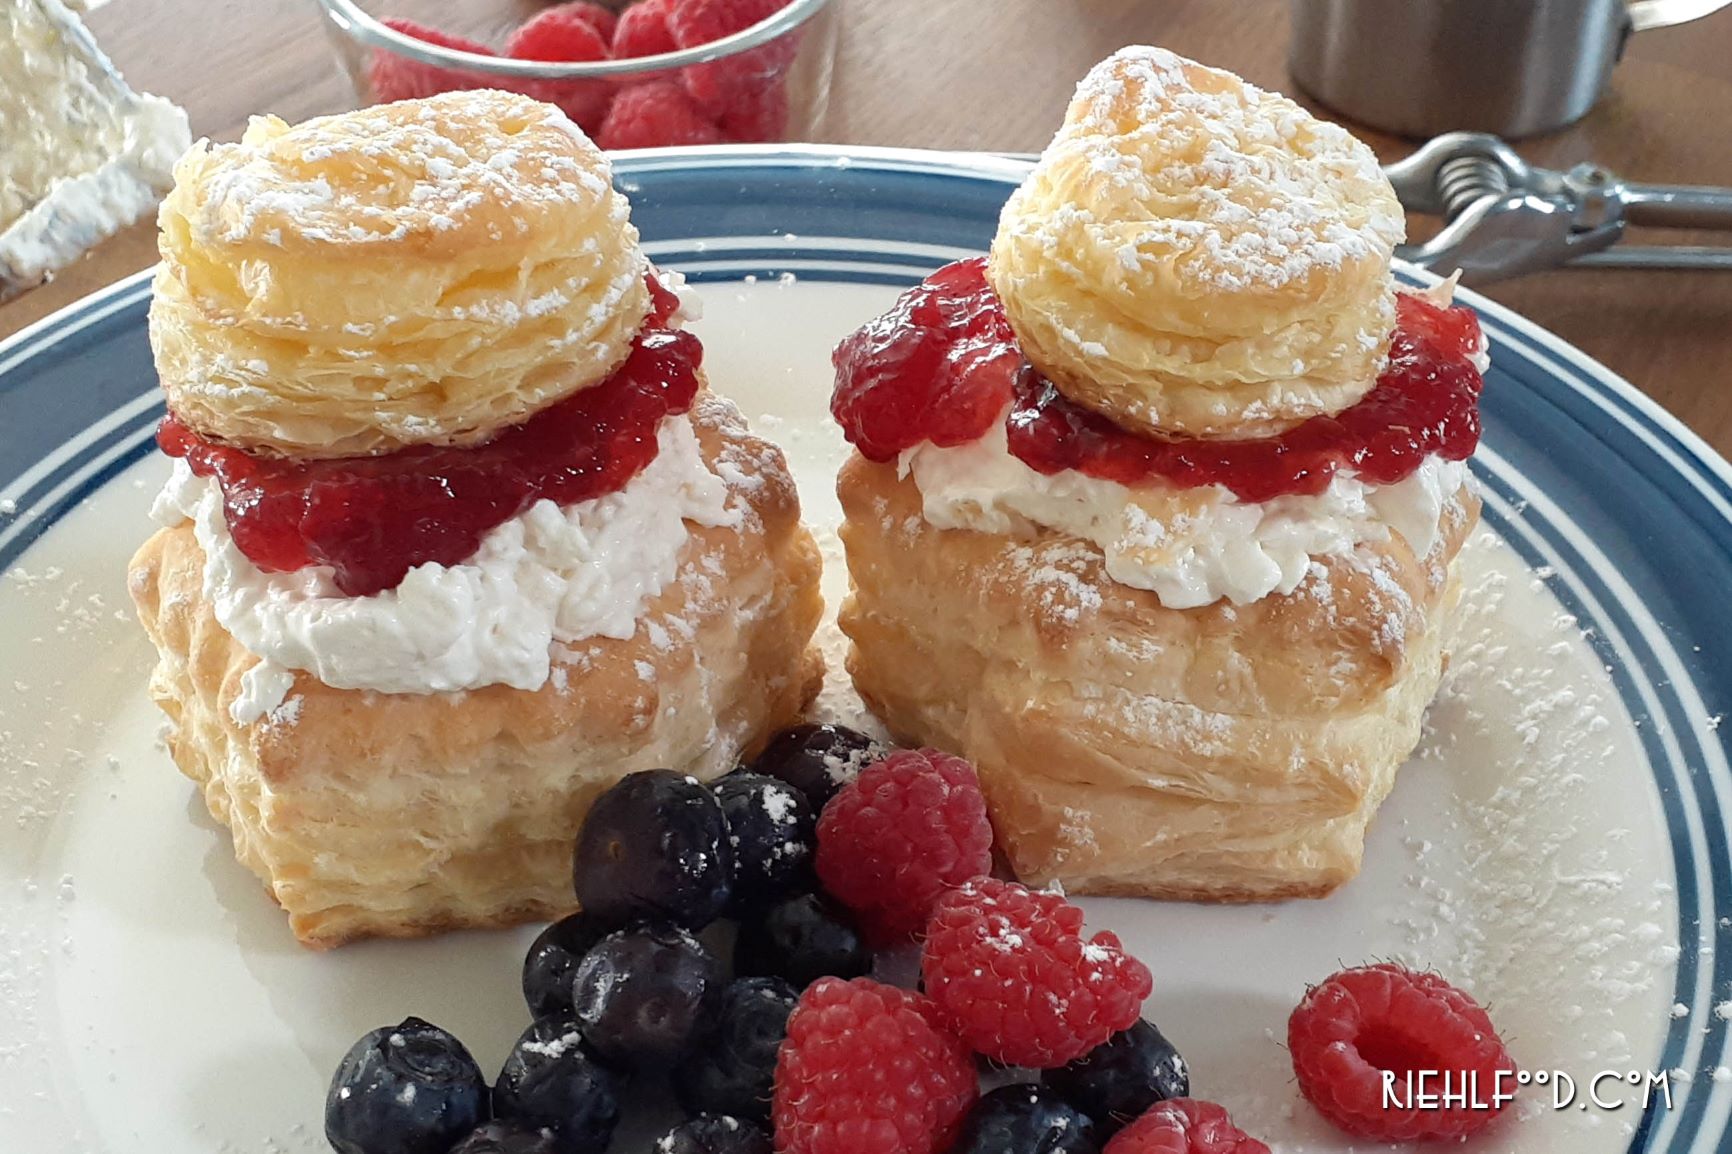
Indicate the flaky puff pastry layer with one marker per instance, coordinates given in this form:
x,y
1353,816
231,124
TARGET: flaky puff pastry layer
x,y
1193,256
1227,753
399,815
420,272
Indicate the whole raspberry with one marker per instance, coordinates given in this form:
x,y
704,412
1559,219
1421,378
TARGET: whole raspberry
x,y
718,85
1184,1126
393,77
652,115
758,116
895,838
563,32
568,33
866,1066
643,30
599,16
1011,972
1357,1039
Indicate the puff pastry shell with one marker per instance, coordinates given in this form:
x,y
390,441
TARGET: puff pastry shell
x,y
1222,753
398,815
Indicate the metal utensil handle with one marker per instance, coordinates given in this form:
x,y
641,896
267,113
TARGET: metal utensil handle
x,y
1680,256
1646,14
1678,205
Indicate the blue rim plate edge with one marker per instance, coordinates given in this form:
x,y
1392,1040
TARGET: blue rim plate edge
x,y
1686,454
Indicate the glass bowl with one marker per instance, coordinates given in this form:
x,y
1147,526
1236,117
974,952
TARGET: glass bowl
x,y
768,82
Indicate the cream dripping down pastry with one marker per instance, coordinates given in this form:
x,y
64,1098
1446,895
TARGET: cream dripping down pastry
x,y
457,535
1154,512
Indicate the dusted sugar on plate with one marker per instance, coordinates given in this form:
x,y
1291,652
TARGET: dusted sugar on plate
x,y
457,535
1154,512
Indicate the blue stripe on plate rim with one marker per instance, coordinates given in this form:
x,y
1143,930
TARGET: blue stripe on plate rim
x,y
1651,675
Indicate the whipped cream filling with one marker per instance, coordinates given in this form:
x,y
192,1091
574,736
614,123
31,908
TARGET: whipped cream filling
x,y
550,575
1190,547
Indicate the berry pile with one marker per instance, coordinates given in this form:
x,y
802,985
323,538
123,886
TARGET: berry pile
x,y
823,849
742,97
796,1050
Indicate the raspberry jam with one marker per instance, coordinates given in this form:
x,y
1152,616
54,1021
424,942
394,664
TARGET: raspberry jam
x,y
372,519
943,364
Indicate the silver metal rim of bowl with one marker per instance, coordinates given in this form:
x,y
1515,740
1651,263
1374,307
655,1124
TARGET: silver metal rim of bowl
x,y
358,25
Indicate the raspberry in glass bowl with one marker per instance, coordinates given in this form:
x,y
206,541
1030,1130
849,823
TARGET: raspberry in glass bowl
x,y
631,73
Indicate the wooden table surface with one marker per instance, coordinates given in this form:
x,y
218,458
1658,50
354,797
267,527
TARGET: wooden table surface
x,y
995,74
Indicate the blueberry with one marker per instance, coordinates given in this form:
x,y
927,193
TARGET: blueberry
x,y
643,997
654,848
1123,1076
734,1072
1027,1120
802,939
404,1089
551,960
818,760
714,1134
508,1138
551,1079
772,834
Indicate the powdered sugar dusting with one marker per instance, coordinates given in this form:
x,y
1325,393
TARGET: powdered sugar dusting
x,y
553,1048
1262,235
779,803
380,175
1522,856
1060,573
1257,181
1578,905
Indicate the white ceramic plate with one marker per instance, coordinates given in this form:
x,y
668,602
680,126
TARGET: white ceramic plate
x,y
1556,845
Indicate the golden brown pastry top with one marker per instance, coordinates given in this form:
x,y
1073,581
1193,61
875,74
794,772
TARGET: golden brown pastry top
x,y
419,272
1196,257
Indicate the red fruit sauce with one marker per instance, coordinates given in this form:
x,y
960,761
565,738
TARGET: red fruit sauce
x,y
943,364
372,519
